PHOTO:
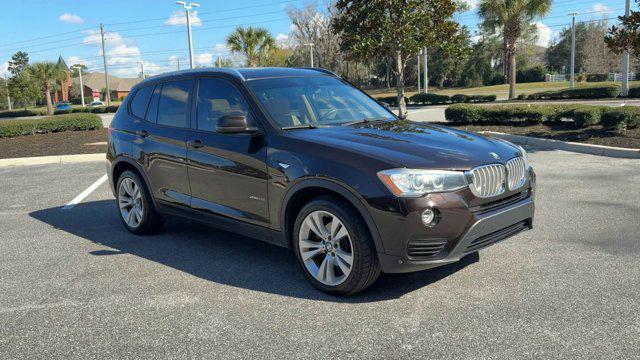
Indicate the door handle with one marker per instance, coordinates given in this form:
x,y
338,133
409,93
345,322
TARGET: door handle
x,y
142,133
196,144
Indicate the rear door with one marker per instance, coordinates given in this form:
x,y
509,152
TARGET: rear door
x,y
161,141
227,172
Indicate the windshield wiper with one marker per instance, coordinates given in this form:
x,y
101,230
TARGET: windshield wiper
x,y
303,126
364,121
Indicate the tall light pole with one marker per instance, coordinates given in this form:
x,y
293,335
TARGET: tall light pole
x,y
187,8
426,64
310,45
141,69
419,71
625,58
106,71
81,84
573,48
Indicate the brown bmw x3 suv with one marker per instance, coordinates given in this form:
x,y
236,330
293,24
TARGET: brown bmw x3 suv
x,y
302,159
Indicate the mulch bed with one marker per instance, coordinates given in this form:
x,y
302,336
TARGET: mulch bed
x,y
62,143
565,132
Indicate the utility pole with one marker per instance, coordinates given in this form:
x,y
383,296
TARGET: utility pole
x,y
6,83
625,58
178,63
419,72
310,45
142,69
426,63
573,49
106,71
187,8
81,84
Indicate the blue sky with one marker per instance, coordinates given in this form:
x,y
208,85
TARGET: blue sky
x,y
153,32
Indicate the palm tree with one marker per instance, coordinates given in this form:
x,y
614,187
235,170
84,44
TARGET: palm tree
x,y
511,18
46,73
253,43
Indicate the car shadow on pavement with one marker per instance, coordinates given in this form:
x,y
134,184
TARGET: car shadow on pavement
x,y
222,257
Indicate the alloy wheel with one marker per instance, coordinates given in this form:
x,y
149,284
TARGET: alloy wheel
x,y
325,248
130,202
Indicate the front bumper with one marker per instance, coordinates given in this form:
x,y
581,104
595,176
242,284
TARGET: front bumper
x,y
487,230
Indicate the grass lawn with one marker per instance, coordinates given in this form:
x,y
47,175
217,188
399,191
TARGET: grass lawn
x,y
501,91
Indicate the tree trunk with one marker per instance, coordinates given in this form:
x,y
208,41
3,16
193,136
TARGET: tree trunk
x,y
47,95
388,75
512,73
402,107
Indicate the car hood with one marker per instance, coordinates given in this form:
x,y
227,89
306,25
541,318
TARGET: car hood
x,y
414,145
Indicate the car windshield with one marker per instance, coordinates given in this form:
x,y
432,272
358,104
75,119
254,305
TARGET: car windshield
x,y
314,101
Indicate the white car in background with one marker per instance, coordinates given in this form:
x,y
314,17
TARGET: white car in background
x,y
96,104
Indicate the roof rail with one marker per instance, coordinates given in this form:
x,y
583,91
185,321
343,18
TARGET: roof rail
x,y
319,70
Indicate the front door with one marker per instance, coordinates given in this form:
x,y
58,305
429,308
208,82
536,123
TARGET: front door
x,y
227,172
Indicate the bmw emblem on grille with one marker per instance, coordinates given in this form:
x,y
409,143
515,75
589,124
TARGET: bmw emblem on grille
x,y
494,155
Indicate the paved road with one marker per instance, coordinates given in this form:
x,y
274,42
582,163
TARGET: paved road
x,y
436,113
74,284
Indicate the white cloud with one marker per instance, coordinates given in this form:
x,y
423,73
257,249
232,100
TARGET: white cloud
x,y
4,69
204,59
282,37
544,34
471,3
600,8
179,18
220,48
76,60
70,18
110,38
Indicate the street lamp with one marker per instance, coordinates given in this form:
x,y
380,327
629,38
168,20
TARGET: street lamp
x,y
310,45
573,48
79,68
187,8
141,69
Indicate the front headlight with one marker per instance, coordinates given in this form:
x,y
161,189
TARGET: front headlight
x,y
416,182
527,166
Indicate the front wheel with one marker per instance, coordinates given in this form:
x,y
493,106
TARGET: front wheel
x,y
334,247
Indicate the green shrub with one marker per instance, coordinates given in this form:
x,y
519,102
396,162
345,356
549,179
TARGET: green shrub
x,y
621,118
482,98
58,123
21,113
597,77
112,108
81,110
99,110
522,96
64,111
464,114
634,92
459,98
596,92
391,100
430,98
495,79
532,74
582,115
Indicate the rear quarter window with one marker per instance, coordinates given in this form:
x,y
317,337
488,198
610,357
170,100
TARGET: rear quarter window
x,y
140,102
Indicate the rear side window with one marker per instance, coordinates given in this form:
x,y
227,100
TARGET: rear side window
x,y
217,98
173,104
140,102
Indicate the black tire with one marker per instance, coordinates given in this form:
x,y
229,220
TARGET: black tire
x,y
366,267
151,221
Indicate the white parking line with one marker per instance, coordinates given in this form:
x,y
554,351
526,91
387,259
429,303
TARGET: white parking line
x,y
85,193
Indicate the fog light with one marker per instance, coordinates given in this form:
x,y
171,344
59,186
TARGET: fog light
x,y
429,217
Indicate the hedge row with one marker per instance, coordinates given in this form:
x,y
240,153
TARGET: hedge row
x,y
596,92
436,99
21,113
95,110
49,124
582,115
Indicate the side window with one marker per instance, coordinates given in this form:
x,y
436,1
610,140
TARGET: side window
x,y
140,101
173,105
217,98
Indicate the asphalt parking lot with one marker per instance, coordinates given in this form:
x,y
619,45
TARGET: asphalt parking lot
x,y
74,284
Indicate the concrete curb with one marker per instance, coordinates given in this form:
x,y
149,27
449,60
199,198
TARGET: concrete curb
x,y
57,159
601,150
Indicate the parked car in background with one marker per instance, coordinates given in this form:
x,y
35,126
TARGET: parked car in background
x,y
96,103
302,159
63,105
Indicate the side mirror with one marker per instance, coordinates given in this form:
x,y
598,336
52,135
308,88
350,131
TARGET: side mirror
x,y
235,123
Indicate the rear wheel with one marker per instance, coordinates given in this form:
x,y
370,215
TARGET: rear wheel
x,y
135,207
334,247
